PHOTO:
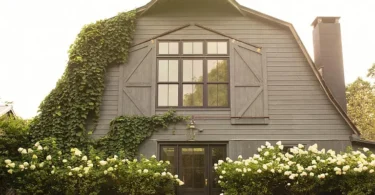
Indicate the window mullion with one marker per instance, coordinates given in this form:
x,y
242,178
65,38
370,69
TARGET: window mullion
x,y
205,87
180,86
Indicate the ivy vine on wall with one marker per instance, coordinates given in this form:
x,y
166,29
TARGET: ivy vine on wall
x,y
128,132
78,94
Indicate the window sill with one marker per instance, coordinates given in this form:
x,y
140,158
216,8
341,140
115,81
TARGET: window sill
x,y
193,109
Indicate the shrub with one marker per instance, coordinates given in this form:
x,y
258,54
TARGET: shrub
x,y
46,170
299,171
14,132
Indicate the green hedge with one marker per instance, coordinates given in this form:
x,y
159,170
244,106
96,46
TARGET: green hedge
x,y
44,169
299,171
14,133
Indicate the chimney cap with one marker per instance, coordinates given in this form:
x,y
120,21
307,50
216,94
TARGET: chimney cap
x,y
323,19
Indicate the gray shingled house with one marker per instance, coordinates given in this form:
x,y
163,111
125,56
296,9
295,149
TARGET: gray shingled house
x,y
243,76
7,110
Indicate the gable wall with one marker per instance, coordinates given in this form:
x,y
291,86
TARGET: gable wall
x,y
298,107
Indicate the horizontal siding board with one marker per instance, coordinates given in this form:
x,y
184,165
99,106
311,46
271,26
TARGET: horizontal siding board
x,y
105,121
111,92
111,83
261,132
110,98
298,102
311,112
114,73
104,107
291,78
112,79
112,68
288,122
285,55
277,45
298,97
109,112
294,92
286,64
261,129
292,83
107,117
306,116
289,69
307,122
250,137
103,127
290,73
294,88
111,88
286,60
110,103
284,49
299,107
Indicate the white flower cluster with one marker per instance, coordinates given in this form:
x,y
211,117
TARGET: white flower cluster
x,y
298,162
80,165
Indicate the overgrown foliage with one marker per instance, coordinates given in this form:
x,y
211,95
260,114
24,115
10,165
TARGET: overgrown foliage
x,y
78,94
14,133
299,171
360,97
44,169
128,132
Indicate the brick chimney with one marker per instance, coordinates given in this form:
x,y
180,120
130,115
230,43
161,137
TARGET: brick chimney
x,y
328,55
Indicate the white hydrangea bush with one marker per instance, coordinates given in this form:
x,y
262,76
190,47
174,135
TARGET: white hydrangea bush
x,y
300,170
78,173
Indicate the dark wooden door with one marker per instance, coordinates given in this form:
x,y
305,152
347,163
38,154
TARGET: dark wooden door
x,y
194,163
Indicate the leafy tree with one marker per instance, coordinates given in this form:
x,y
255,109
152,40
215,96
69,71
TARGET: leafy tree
x,y
371,71
360,97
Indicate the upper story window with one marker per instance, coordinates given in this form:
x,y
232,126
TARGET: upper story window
x,y
193,74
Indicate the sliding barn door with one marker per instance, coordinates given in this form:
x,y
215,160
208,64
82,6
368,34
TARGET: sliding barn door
x,y
138,81
249,104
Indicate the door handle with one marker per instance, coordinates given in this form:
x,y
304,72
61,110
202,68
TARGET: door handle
x,y
206,182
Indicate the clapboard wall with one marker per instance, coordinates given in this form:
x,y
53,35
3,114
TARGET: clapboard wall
x,y
298,108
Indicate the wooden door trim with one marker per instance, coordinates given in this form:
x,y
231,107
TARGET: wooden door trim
x,y
208,157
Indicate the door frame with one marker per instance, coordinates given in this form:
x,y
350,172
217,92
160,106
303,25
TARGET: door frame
x,y
177,145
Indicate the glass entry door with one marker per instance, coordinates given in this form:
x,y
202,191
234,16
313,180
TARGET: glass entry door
x,y
194,164
193,170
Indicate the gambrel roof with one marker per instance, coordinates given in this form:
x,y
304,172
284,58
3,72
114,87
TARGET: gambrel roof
x,y
250,12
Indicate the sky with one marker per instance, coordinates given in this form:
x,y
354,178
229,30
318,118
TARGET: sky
x,y
35,37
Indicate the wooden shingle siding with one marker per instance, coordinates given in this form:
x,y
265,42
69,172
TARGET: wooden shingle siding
x,y
298,108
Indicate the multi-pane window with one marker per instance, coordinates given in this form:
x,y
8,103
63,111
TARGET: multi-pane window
x,y
193,74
